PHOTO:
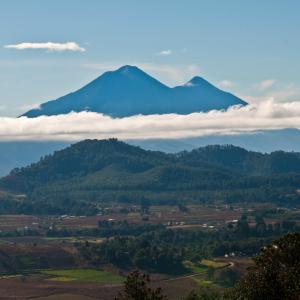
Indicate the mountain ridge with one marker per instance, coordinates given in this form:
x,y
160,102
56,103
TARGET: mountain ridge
x,y
265,141
100,171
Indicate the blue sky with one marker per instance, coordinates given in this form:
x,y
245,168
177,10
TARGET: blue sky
x,y
250,48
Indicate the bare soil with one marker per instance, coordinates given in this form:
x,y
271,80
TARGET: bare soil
x,y
19,289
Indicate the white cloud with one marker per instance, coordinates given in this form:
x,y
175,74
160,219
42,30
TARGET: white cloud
x,y
165,52
50,46
282,93
226,83
27,107
176,73
172,74
289,92
189,84
76,126
266,84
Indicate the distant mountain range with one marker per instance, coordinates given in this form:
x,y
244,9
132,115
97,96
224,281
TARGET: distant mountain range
x,y
260,141
94,171
130,91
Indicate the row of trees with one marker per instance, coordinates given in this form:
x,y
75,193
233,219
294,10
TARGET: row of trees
x,y
138,252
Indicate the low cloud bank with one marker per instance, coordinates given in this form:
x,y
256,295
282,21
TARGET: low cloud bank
x,y
83,125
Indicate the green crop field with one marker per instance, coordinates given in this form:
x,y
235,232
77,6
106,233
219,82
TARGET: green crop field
x,y
213,264
83,275
194,267
75,239
202,281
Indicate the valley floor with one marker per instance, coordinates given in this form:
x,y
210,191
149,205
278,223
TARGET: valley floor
x,y
52,257
18,288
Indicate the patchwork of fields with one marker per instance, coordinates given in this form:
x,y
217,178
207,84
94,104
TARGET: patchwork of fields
x,y
41,257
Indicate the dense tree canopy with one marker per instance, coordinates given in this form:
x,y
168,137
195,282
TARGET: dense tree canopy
x,y
74,179
276,273
274,276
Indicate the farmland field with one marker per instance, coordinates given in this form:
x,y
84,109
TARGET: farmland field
x,y
83,275
59,257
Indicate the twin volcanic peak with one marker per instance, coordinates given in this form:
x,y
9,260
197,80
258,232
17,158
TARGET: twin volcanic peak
x,y
130,91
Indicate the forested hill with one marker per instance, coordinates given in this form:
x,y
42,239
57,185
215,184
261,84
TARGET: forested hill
x,y
110,170
111,164
85,158
244,161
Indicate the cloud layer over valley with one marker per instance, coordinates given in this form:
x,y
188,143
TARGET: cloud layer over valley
x,y
76,126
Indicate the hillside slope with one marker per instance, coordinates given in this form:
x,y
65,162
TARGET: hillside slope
x,y
94,171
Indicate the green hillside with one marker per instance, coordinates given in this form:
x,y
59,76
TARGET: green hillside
x,y
97,171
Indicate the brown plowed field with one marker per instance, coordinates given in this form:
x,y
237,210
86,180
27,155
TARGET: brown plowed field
x,y
18,289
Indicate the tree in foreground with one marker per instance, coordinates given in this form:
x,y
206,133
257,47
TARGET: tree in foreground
x,y
202,295
136,288
275,275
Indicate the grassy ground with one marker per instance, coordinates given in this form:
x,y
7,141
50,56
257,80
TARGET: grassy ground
x,y
83,275
75,239
10,276
202,281
195,267
66,297
202,268
67,238
213,264
204,265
